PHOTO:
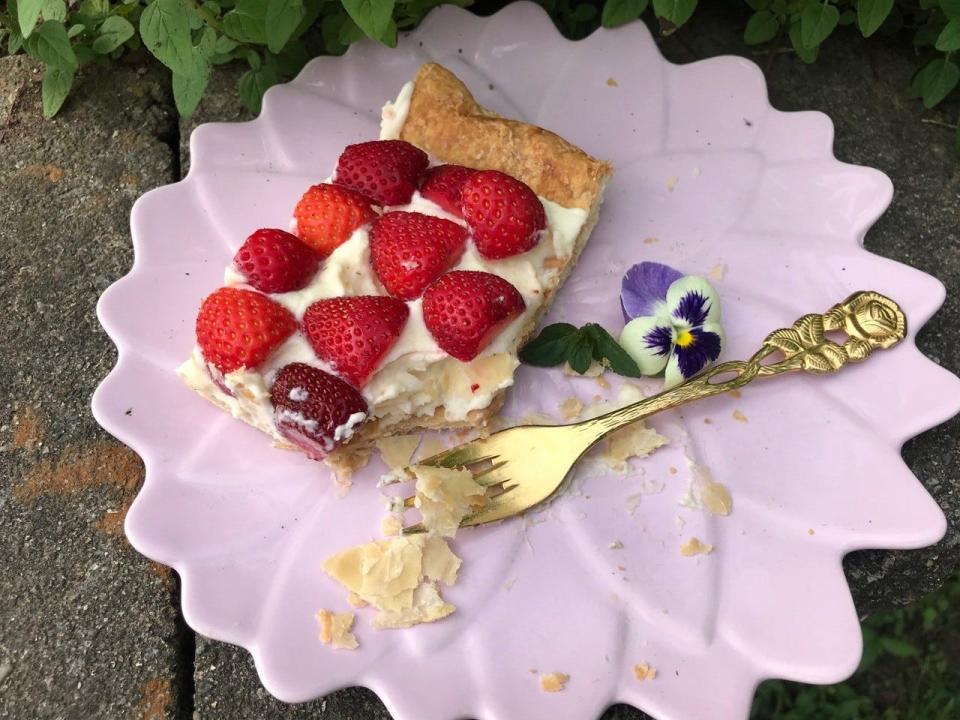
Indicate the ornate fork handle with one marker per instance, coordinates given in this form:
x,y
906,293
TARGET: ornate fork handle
x,y
870,321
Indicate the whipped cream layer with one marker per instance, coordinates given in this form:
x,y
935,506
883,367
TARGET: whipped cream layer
x,y
416,378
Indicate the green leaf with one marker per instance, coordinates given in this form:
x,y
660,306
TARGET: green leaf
x,y
949,39
84,54
620,12
246,23
899,648
15,41
951,8
762,27
676,11
580,353
350,32
292,58
95,8
75,30
817,21
165,29
28,12
282,18
584,12
224,45
935,81
605,347
213,8
114,32
808,55
56,86
848,17
371,16
389,38
254,83
871,14
54,10
50,44
187,91
330,30
551,347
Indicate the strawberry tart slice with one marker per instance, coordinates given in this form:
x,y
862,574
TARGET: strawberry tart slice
x,y
408,280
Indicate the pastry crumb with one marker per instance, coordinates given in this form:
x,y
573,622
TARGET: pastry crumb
x,y
693,546
672,182
602,382
354,600
445,496
335,630
717,272
634,441
571,408
810,531
612,83
537,418
672,470
739,416
716,498
644,671
615,545
346,461
707,421
397,451
554,682
391,525
430,445
695,172
651,240
735,394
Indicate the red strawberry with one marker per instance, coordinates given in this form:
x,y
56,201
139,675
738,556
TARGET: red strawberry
x,y
274,261
327,215
443,185
385,170
314,408
239,328
465,309
354,333
505,215
410,250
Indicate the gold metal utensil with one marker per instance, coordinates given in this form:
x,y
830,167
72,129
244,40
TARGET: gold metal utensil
x,y
523,466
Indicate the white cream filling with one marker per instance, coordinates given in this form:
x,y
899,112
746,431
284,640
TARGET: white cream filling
x,y
416,377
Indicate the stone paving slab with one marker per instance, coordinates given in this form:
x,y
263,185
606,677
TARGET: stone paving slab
x,y
87,626
863,89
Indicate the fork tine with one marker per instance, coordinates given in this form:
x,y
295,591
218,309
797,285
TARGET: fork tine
x,y
491,475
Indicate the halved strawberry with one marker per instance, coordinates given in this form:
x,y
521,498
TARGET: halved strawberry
x,y
240,328
314,409
328,214
387,171
443,185
506,216
354,333
274,261
465,309
410,250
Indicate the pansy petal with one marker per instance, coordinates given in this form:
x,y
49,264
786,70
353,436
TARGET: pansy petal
x,y
648,342
693,301
694,350
672,377
643,290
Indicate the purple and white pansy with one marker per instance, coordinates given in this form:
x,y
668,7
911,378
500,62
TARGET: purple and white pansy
x,y
673,322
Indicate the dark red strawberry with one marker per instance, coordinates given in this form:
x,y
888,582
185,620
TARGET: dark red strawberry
x,y
386,171
274,261
328,214
410,250
464,310
443,185
506,216
315,410
354,333
240,328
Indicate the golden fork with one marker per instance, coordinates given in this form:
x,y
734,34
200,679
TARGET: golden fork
x,y
525,465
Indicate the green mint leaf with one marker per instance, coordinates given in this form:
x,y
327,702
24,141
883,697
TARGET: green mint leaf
x,y
676,11
951,8
50,44
54,10
75,30
187,91
610,350
57,80
580,353
848,17
949,39
292,58
371,16
254,83
936,80
389,38
330,30
620,12
311,11
224,45
95,8
761,28
899,648
282,18
165,29
213,8
15,41
871,14
84,54
350,32
817,21
246,23
28,12
114,32
551,347
808,55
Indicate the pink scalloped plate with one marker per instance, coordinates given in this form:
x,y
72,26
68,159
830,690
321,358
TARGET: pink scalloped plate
x,y
708,178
